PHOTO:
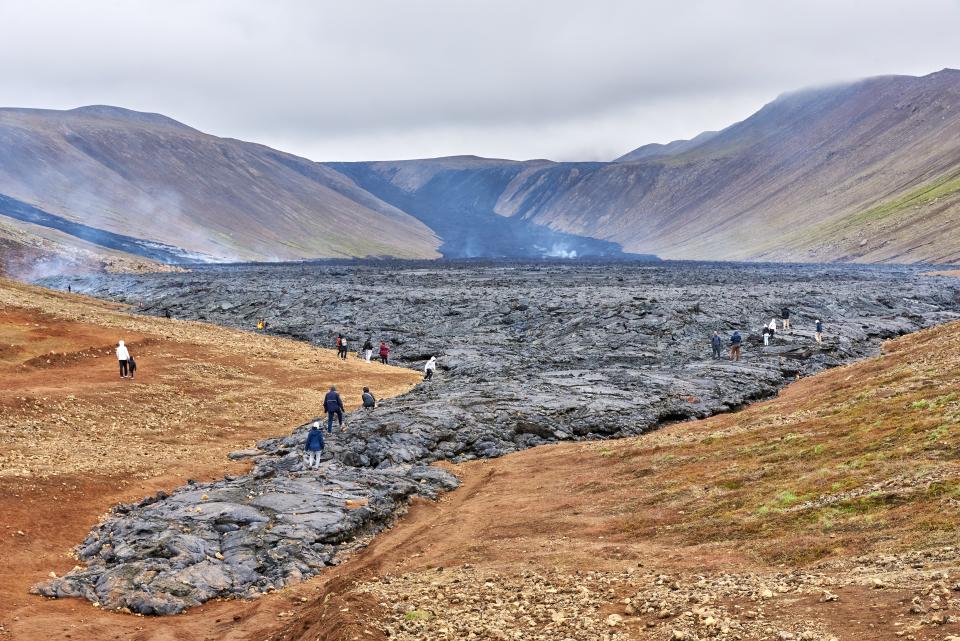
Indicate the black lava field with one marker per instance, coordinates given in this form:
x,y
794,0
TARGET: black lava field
x,y
528,354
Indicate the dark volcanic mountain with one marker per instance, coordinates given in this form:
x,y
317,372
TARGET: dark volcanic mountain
x,y
868,171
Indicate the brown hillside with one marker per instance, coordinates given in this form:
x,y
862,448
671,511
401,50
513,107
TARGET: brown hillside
x,y
150,177
868,171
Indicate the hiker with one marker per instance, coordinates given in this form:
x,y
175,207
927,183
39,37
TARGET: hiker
x,y
818,333
735,341
69,289
429,368
341,346
785,317
166,312
384,353
123,356
260,325
369,401
314,445
367,350
717,344
333,404
131,365
769,331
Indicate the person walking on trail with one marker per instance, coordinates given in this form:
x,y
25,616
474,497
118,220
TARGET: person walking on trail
x,y
367,350
314,445
735,341
342,347
333,405
384,353
785,317
123,356
131,365
818,333
429,368
369,400
716,343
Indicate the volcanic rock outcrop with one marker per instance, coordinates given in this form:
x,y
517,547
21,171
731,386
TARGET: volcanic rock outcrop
x,y
529,354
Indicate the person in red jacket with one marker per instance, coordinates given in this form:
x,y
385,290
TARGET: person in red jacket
x,y
384,352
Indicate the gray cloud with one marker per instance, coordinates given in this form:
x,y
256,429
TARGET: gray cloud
x,y
384,79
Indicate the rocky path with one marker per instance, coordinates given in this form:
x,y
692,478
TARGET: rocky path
x,y
529,354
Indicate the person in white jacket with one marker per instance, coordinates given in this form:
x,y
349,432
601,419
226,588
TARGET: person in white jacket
x,y
769,331
429,368
123,356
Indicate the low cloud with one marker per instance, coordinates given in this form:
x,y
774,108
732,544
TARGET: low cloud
x,y
384,79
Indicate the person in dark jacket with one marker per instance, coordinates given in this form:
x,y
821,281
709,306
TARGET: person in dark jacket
x,y
132,366
369,401
818,333
384,353
735,341
785,317
367,350
333,405
314,445
717,344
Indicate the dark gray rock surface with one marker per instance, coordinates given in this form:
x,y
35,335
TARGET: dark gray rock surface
x,y
528,354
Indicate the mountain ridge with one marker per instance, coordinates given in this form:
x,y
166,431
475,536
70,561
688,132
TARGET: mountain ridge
x,y
865,171
792,182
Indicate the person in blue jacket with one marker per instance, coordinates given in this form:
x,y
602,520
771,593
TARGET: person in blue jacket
x,y
735,341
314,445
333,405
717,344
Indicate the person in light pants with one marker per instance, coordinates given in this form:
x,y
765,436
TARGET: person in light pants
x,y
313,447
367,350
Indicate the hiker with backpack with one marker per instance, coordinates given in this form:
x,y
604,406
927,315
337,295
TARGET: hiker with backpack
x,y
367,350
818,333
369,400
785,317
313,447
333,405
384,353
341,347
735,341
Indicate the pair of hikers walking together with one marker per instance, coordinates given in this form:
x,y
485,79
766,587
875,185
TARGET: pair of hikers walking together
x,y
333,405
128,366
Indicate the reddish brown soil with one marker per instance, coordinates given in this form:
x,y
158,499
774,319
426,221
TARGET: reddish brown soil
x,y
75,439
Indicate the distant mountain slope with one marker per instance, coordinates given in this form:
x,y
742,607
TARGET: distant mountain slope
x,y
457,198
670,149
149,177
867,171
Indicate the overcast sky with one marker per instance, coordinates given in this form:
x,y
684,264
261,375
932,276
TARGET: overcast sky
x,y
379,79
